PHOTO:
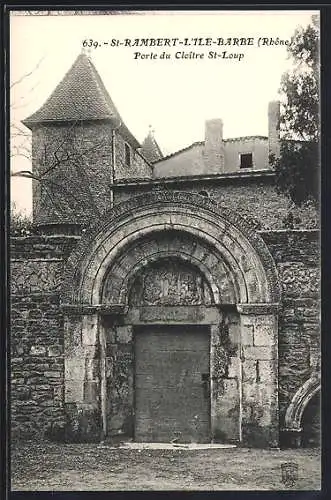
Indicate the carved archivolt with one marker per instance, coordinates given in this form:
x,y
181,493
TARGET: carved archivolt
x,y
170,264
229,253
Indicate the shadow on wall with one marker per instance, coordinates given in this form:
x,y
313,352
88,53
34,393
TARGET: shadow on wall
x,y
311,423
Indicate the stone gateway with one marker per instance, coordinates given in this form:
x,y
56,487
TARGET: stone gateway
x,y
161,299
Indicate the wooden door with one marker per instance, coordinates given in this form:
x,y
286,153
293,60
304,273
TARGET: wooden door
x,y
172,396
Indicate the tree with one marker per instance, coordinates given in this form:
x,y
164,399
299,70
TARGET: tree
x,y
20,223
297,168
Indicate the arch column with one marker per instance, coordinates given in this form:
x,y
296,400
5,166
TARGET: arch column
x,y
259,374
82,375
84,366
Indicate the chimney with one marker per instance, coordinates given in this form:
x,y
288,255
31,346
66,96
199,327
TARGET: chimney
x,y
214,147
273,128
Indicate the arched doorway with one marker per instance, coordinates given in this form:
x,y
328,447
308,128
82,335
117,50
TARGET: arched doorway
x,y
172,269
180,351
302,418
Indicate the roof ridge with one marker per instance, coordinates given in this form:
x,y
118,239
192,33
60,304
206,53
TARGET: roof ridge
x,y
103,90
97,79
109,101
197,143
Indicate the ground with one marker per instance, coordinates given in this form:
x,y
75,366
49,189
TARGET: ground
x,y
93,467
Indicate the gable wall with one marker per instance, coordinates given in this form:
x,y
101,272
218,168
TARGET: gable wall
x,y
192,161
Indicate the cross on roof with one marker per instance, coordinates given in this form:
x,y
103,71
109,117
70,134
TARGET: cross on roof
x,y
86,51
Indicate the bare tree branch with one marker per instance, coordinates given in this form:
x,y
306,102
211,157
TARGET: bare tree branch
x,y
26,75
70,149
30,175
24,173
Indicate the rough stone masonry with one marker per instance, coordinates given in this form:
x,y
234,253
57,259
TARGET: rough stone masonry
x,y
161,298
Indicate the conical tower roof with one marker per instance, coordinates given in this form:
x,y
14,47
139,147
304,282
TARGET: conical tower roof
x,y
150,148
80,96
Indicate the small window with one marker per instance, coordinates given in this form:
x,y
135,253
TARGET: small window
x,y
246,160
127,154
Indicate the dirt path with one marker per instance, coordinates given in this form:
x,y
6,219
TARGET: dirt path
x,y
89,467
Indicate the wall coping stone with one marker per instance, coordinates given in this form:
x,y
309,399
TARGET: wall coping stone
x,y
257,309
263,173
51,259
97,308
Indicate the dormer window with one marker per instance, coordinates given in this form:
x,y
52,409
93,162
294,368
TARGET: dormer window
x,y
127,155
246,160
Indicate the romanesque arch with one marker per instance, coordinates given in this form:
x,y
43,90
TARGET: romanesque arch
x,y
218,251
169,244
230,237
300,401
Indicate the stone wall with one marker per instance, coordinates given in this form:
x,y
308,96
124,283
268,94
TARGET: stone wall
x,y
36,336
254,198
297,257
36,366
37,331
75,163
138,168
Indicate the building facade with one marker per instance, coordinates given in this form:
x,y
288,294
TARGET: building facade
x,y
162,297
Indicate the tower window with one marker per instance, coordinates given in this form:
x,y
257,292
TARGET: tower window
x,y
246,160
127,154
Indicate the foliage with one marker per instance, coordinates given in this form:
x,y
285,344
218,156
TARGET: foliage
x,y
20,223
297,168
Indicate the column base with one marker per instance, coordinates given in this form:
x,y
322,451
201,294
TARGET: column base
x,y
83,423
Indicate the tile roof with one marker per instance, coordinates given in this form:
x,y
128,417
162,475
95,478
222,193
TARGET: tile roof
x,y
81,95
150,148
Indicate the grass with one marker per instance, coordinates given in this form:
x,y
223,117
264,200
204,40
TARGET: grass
x,y
92,467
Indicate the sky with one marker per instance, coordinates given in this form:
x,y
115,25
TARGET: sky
x,y
174,96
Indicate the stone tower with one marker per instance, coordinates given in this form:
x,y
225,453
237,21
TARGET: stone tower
x,y
150,148
73,153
